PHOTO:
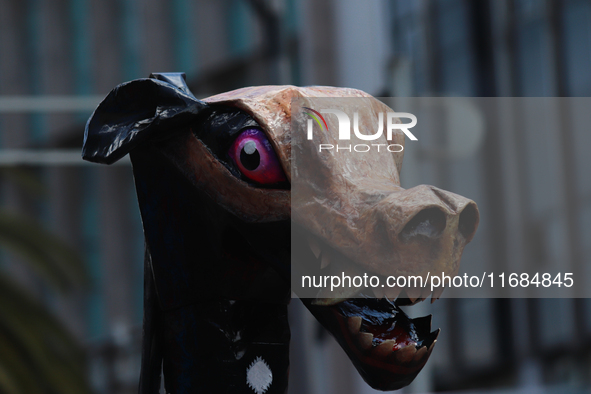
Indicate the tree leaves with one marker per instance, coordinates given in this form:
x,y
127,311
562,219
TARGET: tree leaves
x,y
54,261
37,353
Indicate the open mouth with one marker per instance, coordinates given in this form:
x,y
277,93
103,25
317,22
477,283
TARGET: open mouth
x,y
387,347
381,330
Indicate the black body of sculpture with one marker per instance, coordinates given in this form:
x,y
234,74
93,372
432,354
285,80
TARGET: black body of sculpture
x,y
209,318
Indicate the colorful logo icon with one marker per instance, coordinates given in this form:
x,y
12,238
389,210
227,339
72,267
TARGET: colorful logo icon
x,y
315,115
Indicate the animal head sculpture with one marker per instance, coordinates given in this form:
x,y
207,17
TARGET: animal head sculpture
x,y
226,209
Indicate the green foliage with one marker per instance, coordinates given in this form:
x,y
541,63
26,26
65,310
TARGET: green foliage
x,y
37,353
57,264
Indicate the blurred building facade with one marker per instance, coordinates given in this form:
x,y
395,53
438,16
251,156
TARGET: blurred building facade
x,y
83,48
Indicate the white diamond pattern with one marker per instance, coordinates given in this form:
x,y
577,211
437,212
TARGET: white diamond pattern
x,y
259,376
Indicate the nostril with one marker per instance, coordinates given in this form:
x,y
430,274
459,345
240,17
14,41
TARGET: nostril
x,y
429,223
468,221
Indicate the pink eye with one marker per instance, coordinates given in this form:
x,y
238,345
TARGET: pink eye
x,y
253,154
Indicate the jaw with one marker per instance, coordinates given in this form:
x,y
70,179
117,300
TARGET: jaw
x,y
387,348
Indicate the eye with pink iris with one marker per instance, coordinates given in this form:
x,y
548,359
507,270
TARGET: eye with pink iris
x,y
255,158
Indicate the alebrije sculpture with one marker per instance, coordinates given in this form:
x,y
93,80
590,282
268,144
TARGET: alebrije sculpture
x,y
214,183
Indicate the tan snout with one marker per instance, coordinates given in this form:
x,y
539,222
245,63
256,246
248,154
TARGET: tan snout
x,y
419,230
389,230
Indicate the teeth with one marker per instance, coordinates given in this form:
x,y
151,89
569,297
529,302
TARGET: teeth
x,y
436,335
413,293
354,324
325,261
365,340
437,293
314,246
406,354
324,299
392,292
420,354
431,347
384,349
339,267
425,293
378,292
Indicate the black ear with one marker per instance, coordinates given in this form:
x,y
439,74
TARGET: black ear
x,y
137,111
